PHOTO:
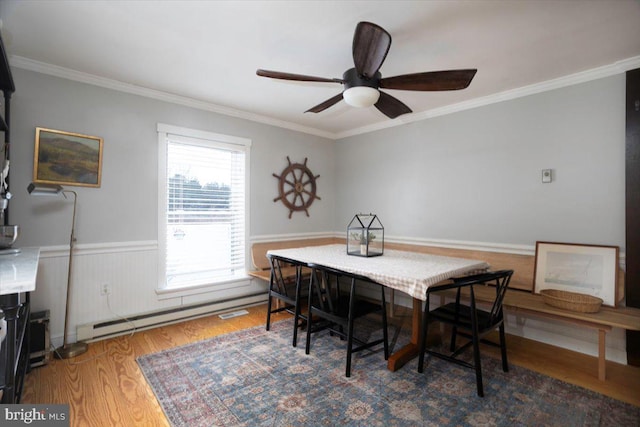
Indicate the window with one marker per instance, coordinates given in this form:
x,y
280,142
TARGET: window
x,y
202,222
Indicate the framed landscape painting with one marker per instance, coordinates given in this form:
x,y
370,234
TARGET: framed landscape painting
x,y
67,158
585,269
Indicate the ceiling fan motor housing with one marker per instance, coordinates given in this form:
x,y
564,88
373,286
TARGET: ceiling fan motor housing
x,y
351,79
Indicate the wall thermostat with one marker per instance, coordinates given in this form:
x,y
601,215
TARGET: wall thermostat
x,y
546,175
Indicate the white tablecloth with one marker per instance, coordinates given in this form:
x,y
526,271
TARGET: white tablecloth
x,y
409,272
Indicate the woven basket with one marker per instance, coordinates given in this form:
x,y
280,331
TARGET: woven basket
x,y
571,301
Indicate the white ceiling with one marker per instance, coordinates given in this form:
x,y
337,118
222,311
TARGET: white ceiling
x,y
208,51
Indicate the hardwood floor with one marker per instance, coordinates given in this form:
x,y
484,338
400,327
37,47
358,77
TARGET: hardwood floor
x,y
104,386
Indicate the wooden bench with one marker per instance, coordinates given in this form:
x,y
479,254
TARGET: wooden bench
x,y
522,265
261,262
520,298
517,301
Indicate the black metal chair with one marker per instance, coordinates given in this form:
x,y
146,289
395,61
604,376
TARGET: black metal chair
x,y
341,310
469,321
287,288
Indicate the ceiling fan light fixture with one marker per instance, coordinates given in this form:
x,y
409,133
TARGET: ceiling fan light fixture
x,y
361,96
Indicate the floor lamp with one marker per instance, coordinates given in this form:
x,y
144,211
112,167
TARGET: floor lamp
x,y
67,350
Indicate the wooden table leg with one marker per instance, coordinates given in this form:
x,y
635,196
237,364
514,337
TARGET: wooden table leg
x,y
602,359
409,351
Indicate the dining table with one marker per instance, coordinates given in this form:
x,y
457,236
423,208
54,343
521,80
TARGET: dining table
x,y
409,272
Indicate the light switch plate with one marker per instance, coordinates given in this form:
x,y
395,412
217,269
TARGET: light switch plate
x,y
546,175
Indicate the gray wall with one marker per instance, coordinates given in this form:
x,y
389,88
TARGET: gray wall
x,y
470,176
476,175
124,208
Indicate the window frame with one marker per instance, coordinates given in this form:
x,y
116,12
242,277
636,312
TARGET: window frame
x,y
208,139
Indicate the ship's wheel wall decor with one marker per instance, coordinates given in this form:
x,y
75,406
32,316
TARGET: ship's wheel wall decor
x,y
297,187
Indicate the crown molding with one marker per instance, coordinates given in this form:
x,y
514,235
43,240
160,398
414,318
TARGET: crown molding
x,y
618,67
78,76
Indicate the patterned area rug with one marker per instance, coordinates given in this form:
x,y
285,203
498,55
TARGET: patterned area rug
x,y
256,378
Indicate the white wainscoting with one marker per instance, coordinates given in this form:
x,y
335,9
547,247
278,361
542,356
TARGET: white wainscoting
x,y
129,268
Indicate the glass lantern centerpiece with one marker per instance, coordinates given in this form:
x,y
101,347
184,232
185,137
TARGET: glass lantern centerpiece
x,y
365,236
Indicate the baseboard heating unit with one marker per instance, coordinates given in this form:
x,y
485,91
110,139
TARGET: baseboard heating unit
x,y
122,326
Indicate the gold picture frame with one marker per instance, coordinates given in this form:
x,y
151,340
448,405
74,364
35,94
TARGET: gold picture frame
x,y
67,158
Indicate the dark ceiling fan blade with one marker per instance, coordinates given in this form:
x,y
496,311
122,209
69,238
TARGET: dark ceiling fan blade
x,y
370,47
430,81
296,77
390,106
326,104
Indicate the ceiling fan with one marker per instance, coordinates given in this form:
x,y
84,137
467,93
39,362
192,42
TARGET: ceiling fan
x,y
362,83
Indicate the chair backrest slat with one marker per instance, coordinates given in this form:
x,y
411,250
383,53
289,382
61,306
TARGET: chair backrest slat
x,y
500,279
278,277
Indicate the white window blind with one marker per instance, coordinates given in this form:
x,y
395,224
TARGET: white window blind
x,y
205,207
